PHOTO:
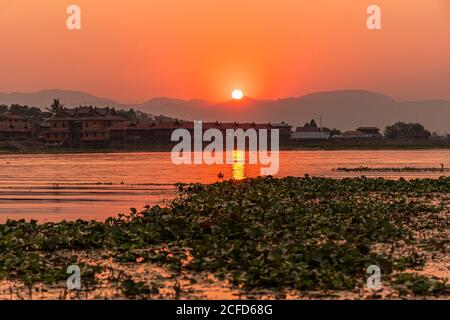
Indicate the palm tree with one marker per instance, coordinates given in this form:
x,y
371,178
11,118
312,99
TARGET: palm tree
x,y
55,107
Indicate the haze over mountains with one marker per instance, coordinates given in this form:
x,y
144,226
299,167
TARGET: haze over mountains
x,y
344,110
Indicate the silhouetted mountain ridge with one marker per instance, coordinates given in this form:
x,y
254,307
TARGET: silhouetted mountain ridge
x,y
44,98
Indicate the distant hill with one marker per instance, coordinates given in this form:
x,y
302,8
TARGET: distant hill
x,y
44,98
344,110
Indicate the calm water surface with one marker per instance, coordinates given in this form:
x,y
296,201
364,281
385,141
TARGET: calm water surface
x,y
52,187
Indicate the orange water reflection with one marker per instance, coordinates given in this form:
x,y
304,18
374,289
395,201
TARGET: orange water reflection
x,y
238,165
54,187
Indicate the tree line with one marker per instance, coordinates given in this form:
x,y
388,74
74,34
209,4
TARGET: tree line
x,y
406,130
35,114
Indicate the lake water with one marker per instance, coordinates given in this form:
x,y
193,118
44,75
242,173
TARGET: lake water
x,y
53,187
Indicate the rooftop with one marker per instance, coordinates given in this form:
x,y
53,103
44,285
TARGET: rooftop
x,y
11,116
88,113
172,125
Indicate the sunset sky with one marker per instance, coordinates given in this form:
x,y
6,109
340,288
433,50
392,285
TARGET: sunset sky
x,y
137,49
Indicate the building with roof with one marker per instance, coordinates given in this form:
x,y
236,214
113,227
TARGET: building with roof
x,y
160,133
14,127
82,126
284,128
309,127
89,126
310,131
374,132
360,133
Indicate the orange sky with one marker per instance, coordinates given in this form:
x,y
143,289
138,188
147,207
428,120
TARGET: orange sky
x,y
137,49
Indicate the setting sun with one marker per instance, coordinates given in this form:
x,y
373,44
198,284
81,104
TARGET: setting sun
x,y
237,94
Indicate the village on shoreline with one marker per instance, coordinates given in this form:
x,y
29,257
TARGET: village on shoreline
x,y
27,129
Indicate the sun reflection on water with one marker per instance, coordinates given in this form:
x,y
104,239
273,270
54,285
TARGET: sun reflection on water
x,y
238,165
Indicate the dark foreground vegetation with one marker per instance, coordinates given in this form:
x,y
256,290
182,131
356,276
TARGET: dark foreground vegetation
x,y
302,234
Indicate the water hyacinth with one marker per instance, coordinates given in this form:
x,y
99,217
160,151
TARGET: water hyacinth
x,y
300,233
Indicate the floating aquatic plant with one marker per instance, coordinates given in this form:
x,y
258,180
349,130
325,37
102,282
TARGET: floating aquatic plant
x,y
302,233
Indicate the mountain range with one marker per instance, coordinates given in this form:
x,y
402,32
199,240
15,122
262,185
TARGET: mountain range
x,y
345,110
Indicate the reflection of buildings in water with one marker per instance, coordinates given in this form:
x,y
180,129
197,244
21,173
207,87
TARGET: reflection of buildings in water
x,y
238,165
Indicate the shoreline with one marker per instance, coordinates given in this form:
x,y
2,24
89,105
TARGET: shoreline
x,y
169,148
